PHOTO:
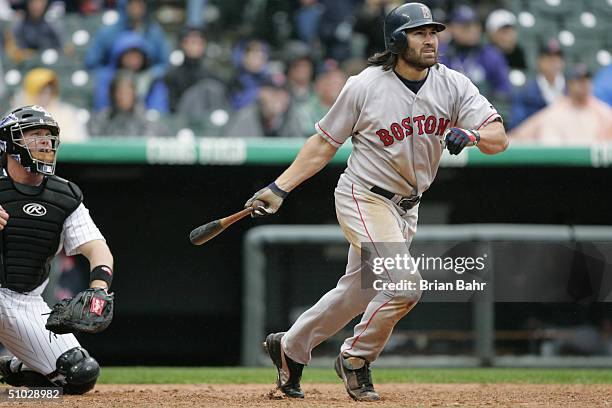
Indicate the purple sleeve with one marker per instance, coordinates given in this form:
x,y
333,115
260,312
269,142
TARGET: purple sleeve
x,y
497,70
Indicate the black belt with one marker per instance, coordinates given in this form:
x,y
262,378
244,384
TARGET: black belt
x,y
405,203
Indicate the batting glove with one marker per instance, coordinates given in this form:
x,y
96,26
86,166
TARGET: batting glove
x,y
455,139
272,197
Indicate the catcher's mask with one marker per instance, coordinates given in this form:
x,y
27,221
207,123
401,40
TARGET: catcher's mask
x,y
36,151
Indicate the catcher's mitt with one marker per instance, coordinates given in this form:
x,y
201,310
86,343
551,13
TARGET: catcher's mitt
x,y
90,311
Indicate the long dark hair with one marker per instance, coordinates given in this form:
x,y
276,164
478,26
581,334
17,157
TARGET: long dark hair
x,y
386,59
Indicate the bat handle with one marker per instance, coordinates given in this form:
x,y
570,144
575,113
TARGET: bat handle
x,y
229,220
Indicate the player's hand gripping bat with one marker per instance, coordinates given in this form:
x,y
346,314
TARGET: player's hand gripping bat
x,y
206,232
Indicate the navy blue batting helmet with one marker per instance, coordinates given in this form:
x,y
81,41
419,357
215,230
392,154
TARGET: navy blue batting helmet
x,y
401,18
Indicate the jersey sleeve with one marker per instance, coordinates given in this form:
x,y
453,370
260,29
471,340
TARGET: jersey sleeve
x,y
339,122
79,229
474,111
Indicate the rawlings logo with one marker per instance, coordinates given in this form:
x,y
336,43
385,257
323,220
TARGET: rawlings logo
x,y
34,209
97,306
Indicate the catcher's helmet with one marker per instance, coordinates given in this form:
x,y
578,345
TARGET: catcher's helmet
x,y
38,153
401,18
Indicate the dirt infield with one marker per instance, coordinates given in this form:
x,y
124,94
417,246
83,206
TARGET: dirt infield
x,y
333,395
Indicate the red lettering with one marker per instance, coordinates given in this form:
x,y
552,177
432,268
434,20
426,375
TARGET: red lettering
x,y
398,132
419,121
385,137
442,125
430,125
406,124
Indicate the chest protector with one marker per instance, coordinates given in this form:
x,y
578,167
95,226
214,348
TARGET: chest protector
x,y
32,235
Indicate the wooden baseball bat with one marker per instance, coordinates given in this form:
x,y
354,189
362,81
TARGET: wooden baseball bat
x,y
206,232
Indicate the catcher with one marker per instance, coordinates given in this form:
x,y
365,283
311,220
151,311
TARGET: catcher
x,y
39,214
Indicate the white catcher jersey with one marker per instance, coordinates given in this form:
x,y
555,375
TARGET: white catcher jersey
x,y
396,133
78,229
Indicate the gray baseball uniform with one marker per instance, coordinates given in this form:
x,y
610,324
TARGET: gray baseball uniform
x,y
396,147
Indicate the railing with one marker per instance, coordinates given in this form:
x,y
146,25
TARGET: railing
x,y
270,151
254,269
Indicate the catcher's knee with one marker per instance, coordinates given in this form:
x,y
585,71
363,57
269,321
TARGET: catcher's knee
x,y
80,370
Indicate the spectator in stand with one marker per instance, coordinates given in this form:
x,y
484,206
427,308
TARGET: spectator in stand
x,y
500,26
199,104
327,88
306,22
34,32
193,44
195,13
134,17
482,63
603,84
129,53
576,119
300,74
370,19
41,87
271,115
195,93
251,61
336,28
545,88
126,116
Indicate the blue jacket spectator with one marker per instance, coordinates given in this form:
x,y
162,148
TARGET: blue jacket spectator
x,y
34,32
602,84
251,60
129,53
545,88
484,64
306,21
134,17
336,28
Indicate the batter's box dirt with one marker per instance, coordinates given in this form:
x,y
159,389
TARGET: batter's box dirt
x,y
333,395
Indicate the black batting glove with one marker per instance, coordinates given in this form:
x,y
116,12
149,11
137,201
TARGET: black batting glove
x,y
456,139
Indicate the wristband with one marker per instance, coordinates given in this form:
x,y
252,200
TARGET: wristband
x,y
476,135
103,273
277,190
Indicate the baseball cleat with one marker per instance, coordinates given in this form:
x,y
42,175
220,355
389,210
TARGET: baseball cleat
x,y
289,371
5,369
22,378
357,378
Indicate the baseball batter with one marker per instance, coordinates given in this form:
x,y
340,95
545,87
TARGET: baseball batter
x,y
401,113
39,214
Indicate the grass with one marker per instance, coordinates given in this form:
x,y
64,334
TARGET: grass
x,y
239,375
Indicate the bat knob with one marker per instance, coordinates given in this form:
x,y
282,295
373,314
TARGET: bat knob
x,y
257,203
